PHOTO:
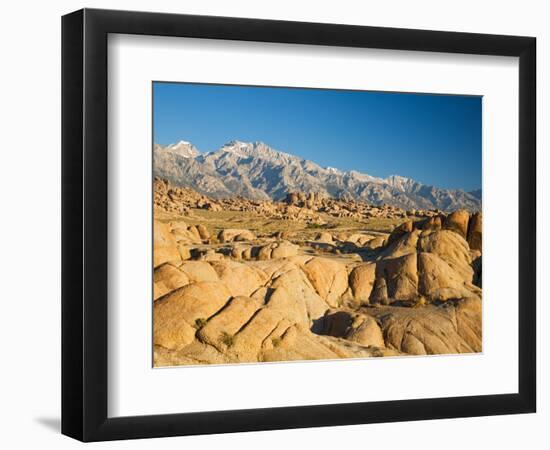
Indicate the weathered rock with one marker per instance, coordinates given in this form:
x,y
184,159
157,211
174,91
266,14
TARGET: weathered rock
x,y
275,267
272,250
238,250
166,279
376,242
430,224
354,327
379,293
401,277
450,247
212,206
247,343
328,277
438,281
283,234
237,298
404,228
247,253
324,237
284,249
210,255
194,353
229,321
453,328
175,316
184,234
241,279
203,231
297,343
199,271
164,244
289,305
294,296
475,229
264,252
194,231
360,239
404,245
235,235
366,331
184,251
361,282
424,265
457,221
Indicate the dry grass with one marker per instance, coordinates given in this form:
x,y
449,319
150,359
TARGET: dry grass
x,y
227,339
219,220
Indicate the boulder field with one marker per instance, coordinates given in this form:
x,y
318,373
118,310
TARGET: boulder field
x,y
419,293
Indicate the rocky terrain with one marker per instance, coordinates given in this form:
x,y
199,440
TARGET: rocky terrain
x,y
258,172
310,277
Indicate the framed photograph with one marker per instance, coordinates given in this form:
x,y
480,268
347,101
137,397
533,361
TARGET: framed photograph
x,y
273,224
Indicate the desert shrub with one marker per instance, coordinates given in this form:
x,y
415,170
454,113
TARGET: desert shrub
x,y
227,339
314,226
321,226
199,323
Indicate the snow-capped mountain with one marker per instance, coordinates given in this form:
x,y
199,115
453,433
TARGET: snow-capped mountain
x,y
183,148
255,170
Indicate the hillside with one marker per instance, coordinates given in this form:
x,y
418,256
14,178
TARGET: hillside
x,y
257,171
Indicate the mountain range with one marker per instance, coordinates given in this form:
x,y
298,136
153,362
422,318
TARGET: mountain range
x,y
256,171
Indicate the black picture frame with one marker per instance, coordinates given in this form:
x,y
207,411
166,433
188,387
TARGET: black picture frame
x,y
84,224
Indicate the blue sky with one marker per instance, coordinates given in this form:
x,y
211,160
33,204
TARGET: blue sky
x,y
435,139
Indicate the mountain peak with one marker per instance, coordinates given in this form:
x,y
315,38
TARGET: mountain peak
x,y
183,148
257,149
256,170
246,145
400,182
235,143
398,178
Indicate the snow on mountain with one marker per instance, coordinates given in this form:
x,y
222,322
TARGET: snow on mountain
x,y
183,148
255,170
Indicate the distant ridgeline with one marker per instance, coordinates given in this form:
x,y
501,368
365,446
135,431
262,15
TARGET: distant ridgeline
x,y
256,171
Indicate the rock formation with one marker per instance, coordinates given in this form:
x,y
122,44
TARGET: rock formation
x,y
235,295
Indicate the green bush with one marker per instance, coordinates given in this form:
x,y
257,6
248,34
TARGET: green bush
x,y
227,339
199,323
